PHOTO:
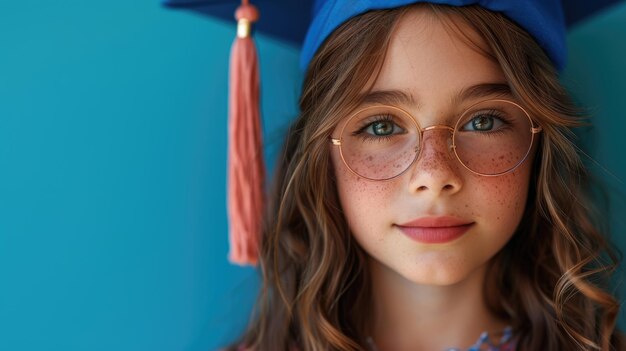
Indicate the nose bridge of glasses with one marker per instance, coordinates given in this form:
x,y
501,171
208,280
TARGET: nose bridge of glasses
x,y
442,127
439,126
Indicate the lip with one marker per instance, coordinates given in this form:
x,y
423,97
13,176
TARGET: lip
x,y
435,230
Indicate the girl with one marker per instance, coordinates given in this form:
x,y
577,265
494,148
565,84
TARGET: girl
x,y
429,197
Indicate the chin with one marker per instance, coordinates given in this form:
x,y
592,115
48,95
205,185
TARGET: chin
x,y
438,275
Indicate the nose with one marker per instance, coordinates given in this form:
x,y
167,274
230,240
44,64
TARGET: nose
x,y
436,171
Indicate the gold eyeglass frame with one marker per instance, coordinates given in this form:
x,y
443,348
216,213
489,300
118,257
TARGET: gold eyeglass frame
x,y
533,130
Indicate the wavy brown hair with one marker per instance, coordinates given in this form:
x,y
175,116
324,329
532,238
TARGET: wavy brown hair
x,y
552,279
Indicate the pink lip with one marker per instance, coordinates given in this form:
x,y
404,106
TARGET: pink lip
x,y
434,230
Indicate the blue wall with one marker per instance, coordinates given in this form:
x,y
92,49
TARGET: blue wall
x,y
112,158
596,76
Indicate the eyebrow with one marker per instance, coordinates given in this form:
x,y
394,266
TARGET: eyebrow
x,y
400,97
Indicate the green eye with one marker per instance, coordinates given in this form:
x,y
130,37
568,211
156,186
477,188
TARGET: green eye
x,y
482,123
379,127
382,128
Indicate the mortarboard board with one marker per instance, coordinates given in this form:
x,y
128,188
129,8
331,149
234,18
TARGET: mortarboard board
x,y
307,23
289,20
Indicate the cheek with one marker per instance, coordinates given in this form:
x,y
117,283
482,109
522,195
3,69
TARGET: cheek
x,y
503,198
361,199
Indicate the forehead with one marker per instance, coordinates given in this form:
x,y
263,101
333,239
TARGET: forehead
x,y
433,56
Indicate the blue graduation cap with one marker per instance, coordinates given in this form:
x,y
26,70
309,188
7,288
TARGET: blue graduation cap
x,y
307,23
289,20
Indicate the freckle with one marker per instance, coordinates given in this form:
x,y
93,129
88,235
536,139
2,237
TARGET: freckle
x,y
498,218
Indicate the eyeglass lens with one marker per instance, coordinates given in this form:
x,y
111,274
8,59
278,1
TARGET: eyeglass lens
x,y
490,138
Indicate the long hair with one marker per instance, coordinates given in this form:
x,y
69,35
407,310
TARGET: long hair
x,y
551,279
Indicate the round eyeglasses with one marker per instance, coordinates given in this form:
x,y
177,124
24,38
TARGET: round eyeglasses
x,y
490,138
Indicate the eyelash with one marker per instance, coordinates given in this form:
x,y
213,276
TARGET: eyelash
x,y
360,132
506,121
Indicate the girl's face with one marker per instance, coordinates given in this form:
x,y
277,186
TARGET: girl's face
x,y
432,65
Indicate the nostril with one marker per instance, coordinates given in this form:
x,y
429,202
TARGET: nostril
x,y
448,187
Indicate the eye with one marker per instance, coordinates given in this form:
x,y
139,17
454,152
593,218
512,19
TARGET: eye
x,y
382,126
484,122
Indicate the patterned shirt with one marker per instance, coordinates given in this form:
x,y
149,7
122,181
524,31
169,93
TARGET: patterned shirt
x,y
484,343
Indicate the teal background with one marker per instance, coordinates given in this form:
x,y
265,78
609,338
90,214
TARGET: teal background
x,y
596,77
112,158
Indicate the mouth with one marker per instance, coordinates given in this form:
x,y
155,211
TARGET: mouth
x,y
435,230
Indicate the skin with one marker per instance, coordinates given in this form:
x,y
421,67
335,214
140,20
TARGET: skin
x,y
429,296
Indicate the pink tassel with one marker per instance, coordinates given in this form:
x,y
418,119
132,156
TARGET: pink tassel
x,y
246,170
